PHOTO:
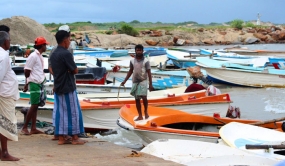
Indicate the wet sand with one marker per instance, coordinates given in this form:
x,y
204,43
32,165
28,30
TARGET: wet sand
x,y
40,150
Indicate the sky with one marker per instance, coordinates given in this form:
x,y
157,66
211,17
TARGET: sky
x,y
166,11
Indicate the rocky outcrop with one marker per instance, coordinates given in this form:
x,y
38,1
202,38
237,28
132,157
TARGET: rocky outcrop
x,y
24,30
251,40
152,43
260,36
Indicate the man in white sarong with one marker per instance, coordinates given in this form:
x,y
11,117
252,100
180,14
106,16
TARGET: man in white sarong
x,y
8,95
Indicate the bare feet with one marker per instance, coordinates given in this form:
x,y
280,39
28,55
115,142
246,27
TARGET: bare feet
x,y
7,157
25,132
78,142
36,131
146,116
139,118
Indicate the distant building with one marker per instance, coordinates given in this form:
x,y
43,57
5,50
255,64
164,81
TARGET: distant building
x,y
258,19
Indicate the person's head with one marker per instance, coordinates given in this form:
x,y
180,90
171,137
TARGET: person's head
x,y
4,28
41,44
63,38
139,50
4,40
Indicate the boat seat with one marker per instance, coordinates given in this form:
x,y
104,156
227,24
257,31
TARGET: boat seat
x,y
92,73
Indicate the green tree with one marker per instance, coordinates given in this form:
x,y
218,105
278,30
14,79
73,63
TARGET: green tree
x,y
129,30
237,24
249,24
134,22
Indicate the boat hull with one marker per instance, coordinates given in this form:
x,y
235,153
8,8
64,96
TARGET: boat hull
x,y
252,79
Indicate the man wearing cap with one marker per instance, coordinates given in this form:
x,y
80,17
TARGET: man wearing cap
x,y
67,115
9,93
35,78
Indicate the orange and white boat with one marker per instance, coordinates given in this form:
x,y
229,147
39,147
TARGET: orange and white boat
x,y
195,102
103,114
165,123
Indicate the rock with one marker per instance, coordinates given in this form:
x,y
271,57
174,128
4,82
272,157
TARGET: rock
x,y
164,44
170,43
156,34
180,42
151,42
188,42
251,31
72,34
210,42
201,29
281,36
251,40
274,36
260,36
242,33
168,33
175,38
222,33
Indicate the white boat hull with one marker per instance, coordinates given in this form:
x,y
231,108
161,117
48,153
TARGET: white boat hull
x,y
202,153
150,136
239,77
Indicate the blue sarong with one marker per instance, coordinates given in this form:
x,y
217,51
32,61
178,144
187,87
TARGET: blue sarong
x,y
67,115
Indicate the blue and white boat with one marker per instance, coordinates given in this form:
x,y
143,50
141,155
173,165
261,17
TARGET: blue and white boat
x,y
255,74
94,54
181,59
160,79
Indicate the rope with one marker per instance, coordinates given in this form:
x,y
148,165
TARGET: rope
x,y
119,93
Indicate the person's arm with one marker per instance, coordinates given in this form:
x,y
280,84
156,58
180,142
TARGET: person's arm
x,y
130,72
68,59
150,87
4,66
27,70
148,70
27,74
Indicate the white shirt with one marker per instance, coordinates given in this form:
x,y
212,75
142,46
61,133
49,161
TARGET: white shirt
x,y
8,78
35,63
73,44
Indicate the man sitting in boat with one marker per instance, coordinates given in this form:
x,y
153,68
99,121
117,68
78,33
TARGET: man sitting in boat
x,y
194,86
140,68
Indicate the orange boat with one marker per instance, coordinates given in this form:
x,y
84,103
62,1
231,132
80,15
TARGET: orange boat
x,y
165,123
194,102
104,113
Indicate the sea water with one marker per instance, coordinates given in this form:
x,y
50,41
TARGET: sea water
x,y
254,103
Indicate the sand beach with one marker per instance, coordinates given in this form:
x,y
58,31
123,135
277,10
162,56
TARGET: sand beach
x,y
40,150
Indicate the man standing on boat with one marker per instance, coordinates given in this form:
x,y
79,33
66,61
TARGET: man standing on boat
x,y
67,113
35,78
9,93
140,68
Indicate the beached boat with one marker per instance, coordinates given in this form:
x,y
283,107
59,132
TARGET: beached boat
x,y
160,79
92,53
197,153
194,102
90,88
165,123
104,113
182,59
239,74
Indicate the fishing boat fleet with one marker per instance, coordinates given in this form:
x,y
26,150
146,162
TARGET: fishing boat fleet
x,y
191,128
